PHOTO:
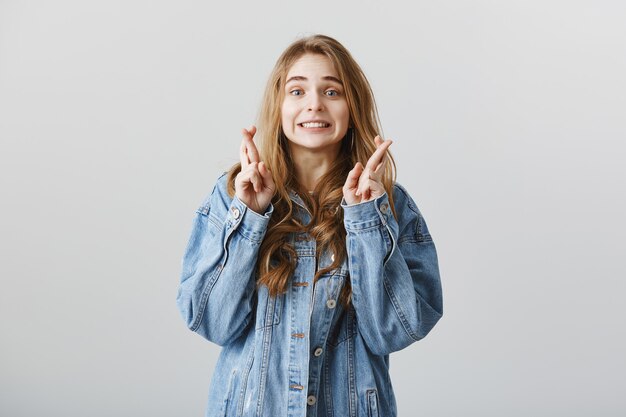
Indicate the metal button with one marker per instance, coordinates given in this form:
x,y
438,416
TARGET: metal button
x,y
331,303
384,207
235,211
318,351
310,400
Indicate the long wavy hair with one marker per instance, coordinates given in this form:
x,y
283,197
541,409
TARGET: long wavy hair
x,y
277,256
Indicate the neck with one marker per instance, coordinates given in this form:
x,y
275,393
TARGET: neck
x,y
312,164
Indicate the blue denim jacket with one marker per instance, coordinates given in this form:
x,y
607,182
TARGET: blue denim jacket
x,y
302,353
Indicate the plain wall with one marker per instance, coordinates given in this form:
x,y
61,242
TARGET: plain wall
x,y
508,121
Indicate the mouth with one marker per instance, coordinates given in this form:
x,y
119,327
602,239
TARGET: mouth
x,y
314,125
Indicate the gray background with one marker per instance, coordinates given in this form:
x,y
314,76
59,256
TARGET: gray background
x,y
507,117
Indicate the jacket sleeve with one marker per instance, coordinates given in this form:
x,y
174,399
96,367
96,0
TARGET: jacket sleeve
x,y
217,291
394,272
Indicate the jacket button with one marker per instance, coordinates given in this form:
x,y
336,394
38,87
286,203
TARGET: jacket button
x,y
318,351
331,303
383,207
235,211
310,400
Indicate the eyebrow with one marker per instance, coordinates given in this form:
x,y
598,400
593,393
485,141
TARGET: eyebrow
x,y
327,77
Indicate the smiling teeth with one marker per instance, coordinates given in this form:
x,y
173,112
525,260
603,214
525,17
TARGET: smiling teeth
x,y
315,125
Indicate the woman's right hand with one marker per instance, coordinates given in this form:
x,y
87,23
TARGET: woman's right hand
x,y
254,185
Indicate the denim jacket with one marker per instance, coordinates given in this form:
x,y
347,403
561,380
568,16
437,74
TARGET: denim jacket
x,y
302,353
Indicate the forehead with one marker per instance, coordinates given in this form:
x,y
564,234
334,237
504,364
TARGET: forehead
x,y
312,66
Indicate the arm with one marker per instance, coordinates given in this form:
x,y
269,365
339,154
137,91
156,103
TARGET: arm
x,y
394,272
217,290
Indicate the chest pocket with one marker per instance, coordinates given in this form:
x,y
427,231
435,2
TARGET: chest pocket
x,y
344,326
269,309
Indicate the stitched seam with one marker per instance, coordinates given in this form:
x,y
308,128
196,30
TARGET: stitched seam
x,y
413,239
419,236
277,312
352,403
229,393
267,338
398,309
210,284
393,243
214,220
244,381
363,229
372,396
328,390
205,297
246,235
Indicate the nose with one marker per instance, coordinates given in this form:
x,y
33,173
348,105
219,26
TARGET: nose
x,y
315,102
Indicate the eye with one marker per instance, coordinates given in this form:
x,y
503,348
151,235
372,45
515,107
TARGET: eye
x,y
333,91
292,92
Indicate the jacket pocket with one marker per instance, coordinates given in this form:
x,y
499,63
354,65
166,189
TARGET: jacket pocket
x,y
211,214
344,328
269,309
372,403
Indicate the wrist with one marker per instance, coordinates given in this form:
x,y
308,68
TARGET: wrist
x,y
366,214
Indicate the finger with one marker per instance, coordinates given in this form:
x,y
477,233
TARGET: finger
x,y
376,157
362,189
253,154
250,177
353,177
242,180
255,177
380,169
362,178
243,156
369,186
366,194
367,174
267,175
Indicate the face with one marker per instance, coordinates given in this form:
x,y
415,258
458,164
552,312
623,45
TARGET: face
x,y
314,93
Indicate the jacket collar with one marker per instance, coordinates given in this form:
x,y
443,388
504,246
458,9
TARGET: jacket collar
x,y
297,199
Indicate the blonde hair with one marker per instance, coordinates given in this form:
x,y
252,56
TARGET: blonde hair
x,y
277,257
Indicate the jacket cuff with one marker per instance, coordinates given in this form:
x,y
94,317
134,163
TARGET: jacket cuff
x,y
251,224
367,214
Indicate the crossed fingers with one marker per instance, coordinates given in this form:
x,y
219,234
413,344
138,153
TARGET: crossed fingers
x,y
374,168
248,152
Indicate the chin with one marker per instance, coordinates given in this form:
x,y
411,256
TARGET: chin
x,y
315,143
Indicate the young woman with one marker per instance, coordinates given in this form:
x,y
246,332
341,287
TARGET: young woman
x,y
307,266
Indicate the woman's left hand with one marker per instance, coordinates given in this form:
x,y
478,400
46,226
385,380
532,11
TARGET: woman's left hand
x,y
365,183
